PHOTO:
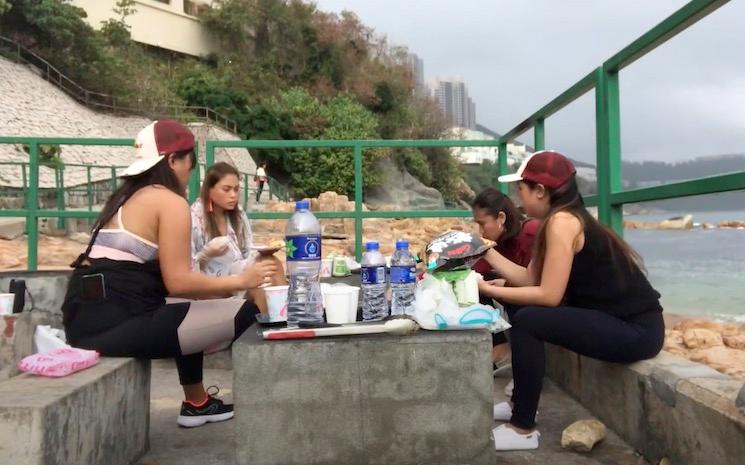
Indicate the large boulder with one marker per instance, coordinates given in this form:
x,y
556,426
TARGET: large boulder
x,y
678,222
402,190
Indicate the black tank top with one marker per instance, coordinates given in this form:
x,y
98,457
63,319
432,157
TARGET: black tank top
x,y
601,280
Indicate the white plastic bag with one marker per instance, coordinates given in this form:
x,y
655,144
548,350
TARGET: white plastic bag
x,y
436,307
47,339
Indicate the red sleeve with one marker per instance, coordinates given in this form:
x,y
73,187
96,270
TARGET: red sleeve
x,y
525,239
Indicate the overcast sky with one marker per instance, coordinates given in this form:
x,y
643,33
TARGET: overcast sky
x,y
685,99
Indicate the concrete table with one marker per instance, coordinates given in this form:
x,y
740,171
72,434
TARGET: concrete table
x,y
380,399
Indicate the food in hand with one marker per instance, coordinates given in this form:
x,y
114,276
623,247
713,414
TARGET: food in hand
x,y
277,244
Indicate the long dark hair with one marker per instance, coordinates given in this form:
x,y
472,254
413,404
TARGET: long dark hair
x,y
567,198
160,174
493,202
214,174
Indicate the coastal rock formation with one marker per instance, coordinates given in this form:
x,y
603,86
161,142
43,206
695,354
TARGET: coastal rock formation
x,y
721,346
582,435
680,222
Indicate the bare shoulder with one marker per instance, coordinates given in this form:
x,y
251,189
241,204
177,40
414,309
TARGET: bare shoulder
x,y
162,199
564,223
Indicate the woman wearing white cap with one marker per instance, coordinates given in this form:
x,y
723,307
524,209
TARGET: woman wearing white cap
x,y
139,253
584,290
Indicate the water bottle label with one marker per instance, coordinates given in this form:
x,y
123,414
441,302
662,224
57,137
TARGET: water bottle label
x,y
373,275
303,248
403,274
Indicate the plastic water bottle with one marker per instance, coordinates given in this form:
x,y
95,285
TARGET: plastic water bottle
x,y
372,274
403,279
303,238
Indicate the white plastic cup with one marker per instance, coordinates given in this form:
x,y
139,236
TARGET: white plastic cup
x,y
276,302
354,298
326,266
336,302
6,303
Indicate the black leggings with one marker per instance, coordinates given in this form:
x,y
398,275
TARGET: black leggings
x,y
590,333
182,331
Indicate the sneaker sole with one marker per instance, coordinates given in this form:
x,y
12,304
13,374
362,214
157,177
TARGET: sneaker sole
x,y
192,422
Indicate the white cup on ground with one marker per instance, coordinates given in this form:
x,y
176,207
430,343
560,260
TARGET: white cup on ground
x,y
6,303
276,302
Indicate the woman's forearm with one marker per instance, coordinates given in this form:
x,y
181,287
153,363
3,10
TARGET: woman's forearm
x,y
528,295
515,274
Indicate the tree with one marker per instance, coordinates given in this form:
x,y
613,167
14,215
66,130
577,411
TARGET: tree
x,y
312,171
117,31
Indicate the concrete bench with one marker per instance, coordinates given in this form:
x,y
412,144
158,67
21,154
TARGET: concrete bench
x,y
96,416
424,398
664,407
17,338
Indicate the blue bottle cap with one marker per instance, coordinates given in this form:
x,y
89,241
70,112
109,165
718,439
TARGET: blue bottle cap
x,y
402,244
302,205
372,245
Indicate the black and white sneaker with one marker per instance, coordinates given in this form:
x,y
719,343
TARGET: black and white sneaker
x,y
210,411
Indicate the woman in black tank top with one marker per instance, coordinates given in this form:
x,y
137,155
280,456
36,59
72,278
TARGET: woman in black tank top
x,y
584,290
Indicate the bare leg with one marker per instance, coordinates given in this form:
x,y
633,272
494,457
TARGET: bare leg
x,y
500,352
195,393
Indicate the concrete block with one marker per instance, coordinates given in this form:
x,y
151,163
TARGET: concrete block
x,y
665,407
424,398
96,416
11,228
17,338
46,288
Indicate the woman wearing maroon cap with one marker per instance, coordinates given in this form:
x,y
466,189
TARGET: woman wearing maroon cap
x,y
584,290
138,254
500,221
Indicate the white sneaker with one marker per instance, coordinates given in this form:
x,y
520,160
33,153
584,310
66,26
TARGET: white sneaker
x,y
506,438
508,389
502,411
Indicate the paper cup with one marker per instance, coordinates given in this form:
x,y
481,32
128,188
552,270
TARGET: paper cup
x,y
276,302
326,266
340,302
336,302
6,303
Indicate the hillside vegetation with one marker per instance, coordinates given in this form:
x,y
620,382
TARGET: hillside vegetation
x,y
286,70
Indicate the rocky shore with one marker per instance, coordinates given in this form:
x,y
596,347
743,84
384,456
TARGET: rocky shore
x,y
719,345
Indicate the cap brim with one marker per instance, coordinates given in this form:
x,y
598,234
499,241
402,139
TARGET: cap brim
x,y
510,178
140,166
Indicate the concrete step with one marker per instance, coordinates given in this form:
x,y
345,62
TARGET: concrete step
x,y
170,445
96,416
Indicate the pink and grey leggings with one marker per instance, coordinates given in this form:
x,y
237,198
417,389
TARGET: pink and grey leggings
x,y
183,330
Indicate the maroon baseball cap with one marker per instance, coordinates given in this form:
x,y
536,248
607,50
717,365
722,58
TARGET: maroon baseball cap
x,y
157,139
546,167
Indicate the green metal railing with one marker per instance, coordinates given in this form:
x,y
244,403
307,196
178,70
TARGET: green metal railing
x,y
604,80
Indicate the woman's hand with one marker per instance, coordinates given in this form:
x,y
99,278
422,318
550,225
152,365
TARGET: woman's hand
x,y
487,287
259,273
216,247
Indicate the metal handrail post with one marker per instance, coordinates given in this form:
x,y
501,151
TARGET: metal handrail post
x,y
32,223
358,201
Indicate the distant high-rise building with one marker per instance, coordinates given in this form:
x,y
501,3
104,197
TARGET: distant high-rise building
x,y
456,105
416,65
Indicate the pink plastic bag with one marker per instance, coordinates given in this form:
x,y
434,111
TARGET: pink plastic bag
x,y
59,362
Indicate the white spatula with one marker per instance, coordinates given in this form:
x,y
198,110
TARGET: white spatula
x,y
398,326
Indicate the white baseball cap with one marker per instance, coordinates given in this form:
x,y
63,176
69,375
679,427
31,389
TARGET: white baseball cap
x,y
156,140
517,175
